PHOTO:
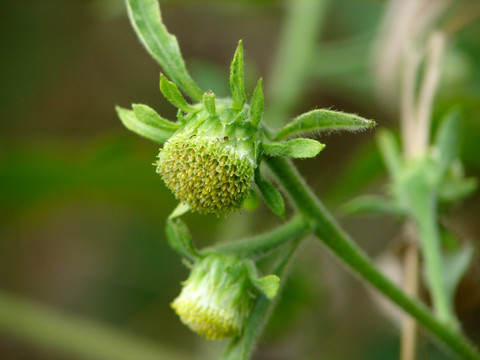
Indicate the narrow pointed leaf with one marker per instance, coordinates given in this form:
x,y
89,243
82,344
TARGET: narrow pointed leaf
x,y
390,152
447,140
296,148
209,102
132,123
146,20
181,209
180,240
268,285
457,188
237,81
172,94
324,120
256,105
150,117
272,196
454,266
371,204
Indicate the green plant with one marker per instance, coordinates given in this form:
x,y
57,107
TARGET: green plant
x,y
212,154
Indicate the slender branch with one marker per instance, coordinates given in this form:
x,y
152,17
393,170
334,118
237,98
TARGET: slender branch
x,y
69,335
296,45
327,230
257,246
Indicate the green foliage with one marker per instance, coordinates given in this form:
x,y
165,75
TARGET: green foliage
x,y
256,105
142,127
180,239
237,79
173,95
272,196
297,148
150,117
146,20
324,120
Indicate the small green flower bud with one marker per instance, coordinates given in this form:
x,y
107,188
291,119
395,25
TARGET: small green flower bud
x,y
209,163
217,296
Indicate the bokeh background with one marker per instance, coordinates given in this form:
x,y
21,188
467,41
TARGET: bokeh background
x,y
82,210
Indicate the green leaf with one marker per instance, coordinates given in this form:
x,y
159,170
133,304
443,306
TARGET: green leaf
x,y
452,189
173,95
296,148
390,152
256,105
272,196
180,240
371,204
146,19
454,266
181,209
209,102
447,140
131,122
150,117
324,120
237,81
268,285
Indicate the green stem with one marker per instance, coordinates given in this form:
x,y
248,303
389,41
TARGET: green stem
x,y
291,63
68,335
241,347
329,232
257,246
430,243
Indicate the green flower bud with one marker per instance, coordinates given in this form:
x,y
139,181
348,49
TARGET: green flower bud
x,y
216,298
209,163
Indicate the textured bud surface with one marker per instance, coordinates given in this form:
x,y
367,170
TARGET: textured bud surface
x,y
205,172
215,299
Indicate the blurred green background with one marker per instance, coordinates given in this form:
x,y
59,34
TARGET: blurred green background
x,y
82,210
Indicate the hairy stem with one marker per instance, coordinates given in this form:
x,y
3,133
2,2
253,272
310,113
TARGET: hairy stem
x,y
257,246
329,232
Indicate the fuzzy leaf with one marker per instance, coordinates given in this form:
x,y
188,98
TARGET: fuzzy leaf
x,y
173,95
272,196
256,105
132,123
268,285
180,240
447,140
324,120
237,81
209,102
371,204
296,148
150,117
454,266
390,152
146,20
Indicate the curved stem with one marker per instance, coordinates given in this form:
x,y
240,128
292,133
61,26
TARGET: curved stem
x,y
329,232
257,246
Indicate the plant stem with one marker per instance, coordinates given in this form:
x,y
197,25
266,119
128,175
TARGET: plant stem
x,y
257,246
68,335
241,347
327,230
291,63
